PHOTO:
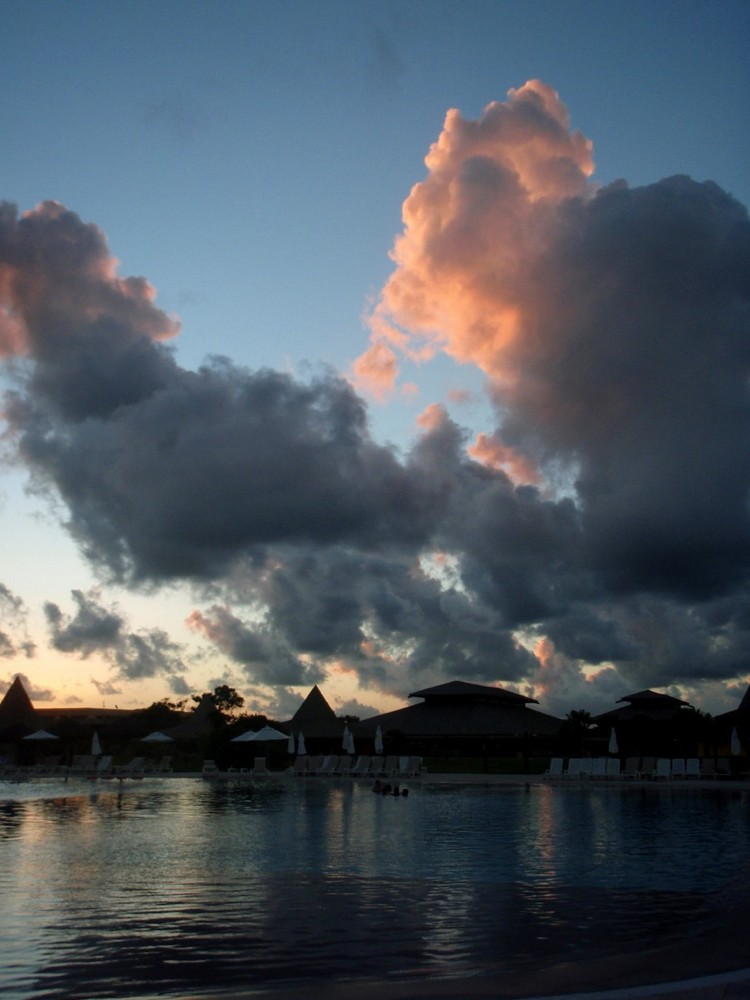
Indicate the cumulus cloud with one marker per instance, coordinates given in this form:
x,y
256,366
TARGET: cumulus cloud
x,y
469,229
98,629
14,637
598,534
264,654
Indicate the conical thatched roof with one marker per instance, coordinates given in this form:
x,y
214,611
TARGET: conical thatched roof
x,y
16,706
315,717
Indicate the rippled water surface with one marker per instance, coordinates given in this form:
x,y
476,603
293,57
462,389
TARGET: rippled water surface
x,y
176,885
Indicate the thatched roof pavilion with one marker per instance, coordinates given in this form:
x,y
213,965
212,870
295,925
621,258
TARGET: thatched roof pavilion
x,y
649,704
458,709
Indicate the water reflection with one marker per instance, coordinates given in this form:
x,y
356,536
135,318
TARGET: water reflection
x,y
116,892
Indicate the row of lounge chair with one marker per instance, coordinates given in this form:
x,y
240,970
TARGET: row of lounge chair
x,y
331,765
363,767
88,766
637,768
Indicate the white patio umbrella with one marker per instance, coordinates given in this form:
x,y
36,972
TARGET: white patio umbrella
x,y
378,740
290,744
269,733
349,741
265,735
262,736
41,734
613,748
736,748
301,749
247,737
96,746
157,738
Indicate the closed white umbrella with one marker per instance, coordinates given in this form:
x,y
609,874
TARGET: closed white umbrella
x,y
96,747
736,748
301,749
290,744
378,740
613,748
347,741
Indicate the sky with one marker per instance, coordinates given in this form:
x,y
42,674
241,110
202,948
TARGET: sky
x,y
373,346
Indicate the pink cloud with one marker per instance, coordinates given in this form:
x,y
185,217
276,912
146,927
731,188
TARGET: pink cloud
x,y
491,452
472,231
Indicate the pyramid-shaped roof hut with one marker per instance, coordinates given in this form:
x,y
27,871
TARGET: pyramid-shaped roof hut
x,y
315,718
16,706
18,716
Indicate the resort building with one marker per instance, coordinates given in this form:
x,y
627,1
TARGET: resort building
x,y
466,720
650,723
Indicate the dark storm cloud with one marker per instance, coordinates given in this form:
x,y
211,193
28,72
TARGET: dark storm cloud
x,y
95,628
264,653
638,375
166,472
612,529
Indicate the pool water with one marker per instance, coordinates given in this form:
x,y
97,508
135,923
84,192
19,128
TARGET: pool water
x,y
174,886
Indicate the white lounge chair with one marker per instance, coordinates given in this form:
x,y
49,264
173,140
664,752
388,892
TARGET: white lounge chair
x,y
362,766
678,767
587,767
415,767
663,768
648,767
632,768
555,769
573,769
613,767
692,767
300,766
723,769
328,766
708,767
599,767
390,765
104,767
133,769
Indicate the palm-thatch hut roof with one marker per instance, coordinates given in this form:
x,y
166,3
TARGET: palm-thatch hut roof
x,y
460,709
649,704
